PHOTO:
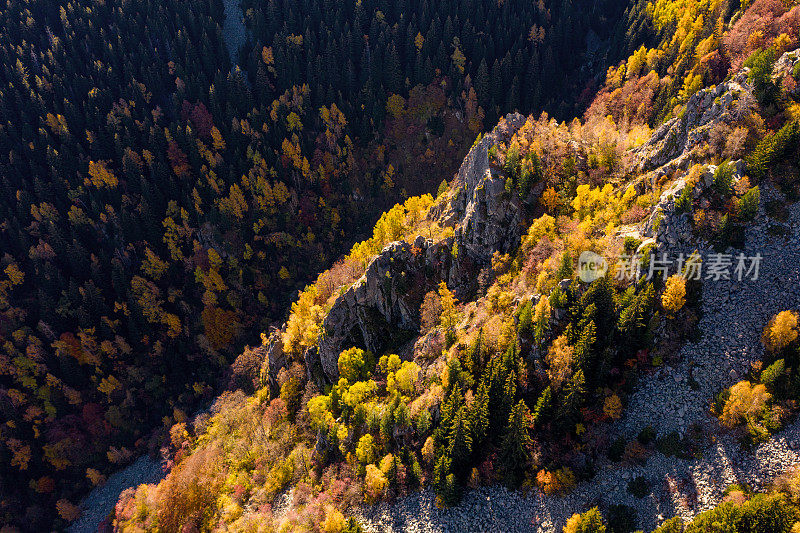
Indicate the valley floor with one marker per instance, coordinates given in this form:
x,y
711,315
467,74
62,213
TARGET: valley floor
x,y
734,315
101,501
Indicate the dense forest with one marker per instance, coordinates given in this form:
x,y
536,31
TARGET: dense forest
x,y
161,206
470,360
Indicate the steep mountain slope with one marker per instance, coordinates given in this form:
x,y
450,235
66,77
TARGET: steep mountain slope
x,y
525,381
457,347
172,172
665,399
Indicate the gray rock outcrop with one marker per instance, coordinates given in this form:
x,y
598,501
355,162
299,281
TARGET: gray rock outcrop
x,y
381,309
484,216
489,219
785,66
274,360
671,228
673,141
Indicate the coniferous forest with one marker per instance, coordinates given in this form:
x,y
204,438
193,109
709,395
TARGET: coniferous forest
x,y
160,206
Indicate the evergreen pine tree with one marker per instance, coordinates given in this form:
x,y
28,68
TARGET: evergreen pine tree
x,y
516,444
461,440
543,405
585,356
474,357
524,326
481,83
572,399
480,414
442,188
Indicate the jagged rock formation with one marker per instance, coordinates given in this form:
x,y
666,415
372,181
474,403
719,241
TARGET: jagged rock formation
x,y
459,206
485,218
667,226
274,360
670,146
785,65
670,149
382,308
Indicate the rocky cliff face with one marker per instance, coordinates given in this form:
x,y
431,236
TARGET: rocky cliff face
x,y
670,149
381,309
485,219
671,144
668,227
274,360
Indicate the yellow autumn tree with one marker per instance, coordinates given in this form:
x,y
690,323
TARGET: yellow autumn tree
x,y
152,265
220,326
745,402
20,453
101,176
235,205
448,301
366,450
674,296
304,322
334,520
589,522
612,407
545,225
419,41
428,453
781,331
559,481
319,411
395,105
403,380
217,140
108,385
352,364
375,483
94,475
559,361
15,275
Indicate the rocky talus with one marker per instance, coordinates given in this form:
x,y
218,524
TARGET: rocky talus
x,y
101,501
